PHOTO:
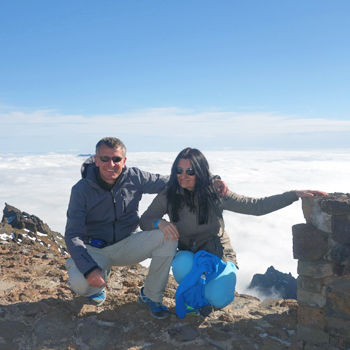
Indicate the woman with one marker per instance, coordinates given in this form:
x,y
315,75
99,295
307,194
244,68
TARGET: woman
x,y
195,212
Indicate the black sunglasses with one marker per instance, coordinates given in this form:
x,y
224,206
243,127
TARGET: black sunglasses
x,y
106,159
189,171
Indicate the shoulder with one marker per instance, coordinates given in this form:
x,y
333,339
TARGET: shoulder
x,y
136,172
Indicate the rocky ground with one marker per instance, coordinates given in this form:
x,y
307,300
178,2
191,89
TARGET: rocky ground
x,y
38,310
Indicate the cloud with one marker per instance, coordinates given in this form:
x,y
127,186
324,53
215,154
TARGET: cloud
x,y
174,120
169,129
41,184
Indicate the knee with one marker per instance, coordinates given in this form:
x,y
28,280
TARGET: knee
x,y
76,281
79,284
221,291
166,245
182,264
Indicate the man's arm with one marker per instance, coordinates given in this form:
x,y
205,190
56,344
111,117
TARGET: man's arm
x,y
152,183
74,234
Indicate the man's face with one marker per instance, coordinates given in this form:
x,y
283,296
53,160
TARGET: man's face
x,y
110,171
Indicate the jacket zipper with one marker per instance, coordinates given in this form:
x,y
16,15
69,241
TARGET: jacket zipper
x,y
115,215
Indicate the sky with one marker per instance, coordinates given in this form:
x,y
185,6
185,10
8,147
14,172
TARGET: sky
x,y
40,185
164,75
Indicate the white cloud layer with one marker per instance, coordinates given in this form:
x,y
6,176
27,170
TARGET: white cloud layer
x,y
170,126
40,185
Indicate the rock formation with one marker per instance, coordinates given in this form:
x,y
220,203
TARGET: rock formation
x,y
39,312
275,282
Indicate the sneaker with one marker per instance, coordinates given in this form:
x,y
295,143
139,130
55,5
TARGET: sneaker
x,y
191,311
97,299
157,310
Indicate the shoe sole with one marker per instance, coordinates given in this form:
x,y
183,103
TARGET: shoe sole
x,y
90,302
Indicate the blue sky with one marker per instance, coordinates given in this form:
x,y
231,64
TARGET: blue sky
x,y
163,75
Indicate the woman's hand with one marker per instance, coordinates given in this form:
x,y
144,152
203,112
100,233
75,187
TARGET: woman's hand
x,y
309,193
169,230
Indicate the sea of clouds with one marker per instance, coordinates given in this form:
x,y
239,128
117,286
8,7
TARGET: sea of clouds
x,y
40,184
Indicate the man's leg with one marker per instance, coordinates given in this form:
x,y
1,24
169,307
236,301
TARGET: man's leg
x,y
77,281
141,246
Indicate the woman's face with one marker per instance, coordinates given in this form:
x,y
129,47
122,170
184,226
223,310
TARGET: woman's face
x,y
185,180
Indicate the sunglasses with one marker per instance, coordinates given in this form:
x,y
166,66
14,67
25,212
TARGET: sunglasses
x,y
106,159
189,171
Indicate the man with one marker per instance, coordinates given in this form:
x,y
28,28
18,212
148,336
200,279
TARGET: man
x,y
102,219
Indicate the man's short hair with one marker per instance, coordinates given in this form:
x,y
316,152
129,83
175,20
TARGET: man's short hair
x,y
111,142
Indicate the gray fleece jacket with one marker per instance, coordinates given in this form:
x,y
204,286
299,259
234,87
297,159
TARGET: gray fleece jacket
x,y
212,237
107,215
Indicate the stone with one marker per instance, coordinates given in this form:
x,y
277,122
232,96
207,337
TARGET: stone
x,y
49,256
58,327
307,205
183,333
5,286
41,283
311,316
313,335
338,299
341,228
97,336
346,270
319,269
115,285
311,299
12,331
309,243
339,253
336,206
217,344
27,295
314,215
310,284
338,327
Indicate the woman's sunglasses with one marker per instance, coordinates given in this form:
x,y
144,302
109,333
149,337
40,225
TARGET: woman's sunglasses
x,y
106,159
189,171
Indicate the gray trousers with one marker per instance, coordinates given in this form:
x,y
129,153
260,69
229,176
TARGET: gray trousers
x,y
131,250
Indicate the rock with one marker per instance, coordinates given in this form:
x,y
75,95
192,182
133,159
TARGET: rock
x,y
273,282
309,243
5,286
184,333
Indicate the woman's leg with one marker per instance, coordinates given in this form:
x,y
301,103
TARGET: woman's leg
x,y
220,291
182,264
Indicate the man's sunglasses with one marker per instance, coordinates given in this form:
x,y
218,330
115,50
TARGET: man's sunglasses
x,y
189,171
106,159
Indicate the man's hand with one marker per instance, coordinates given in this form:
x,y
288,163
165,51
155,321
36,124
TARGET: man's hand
x,y
96,279
308,193
169,230
221,187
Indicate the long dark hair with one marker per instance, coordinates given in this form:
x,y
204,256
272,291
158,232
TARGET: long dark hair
x,y
204,189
